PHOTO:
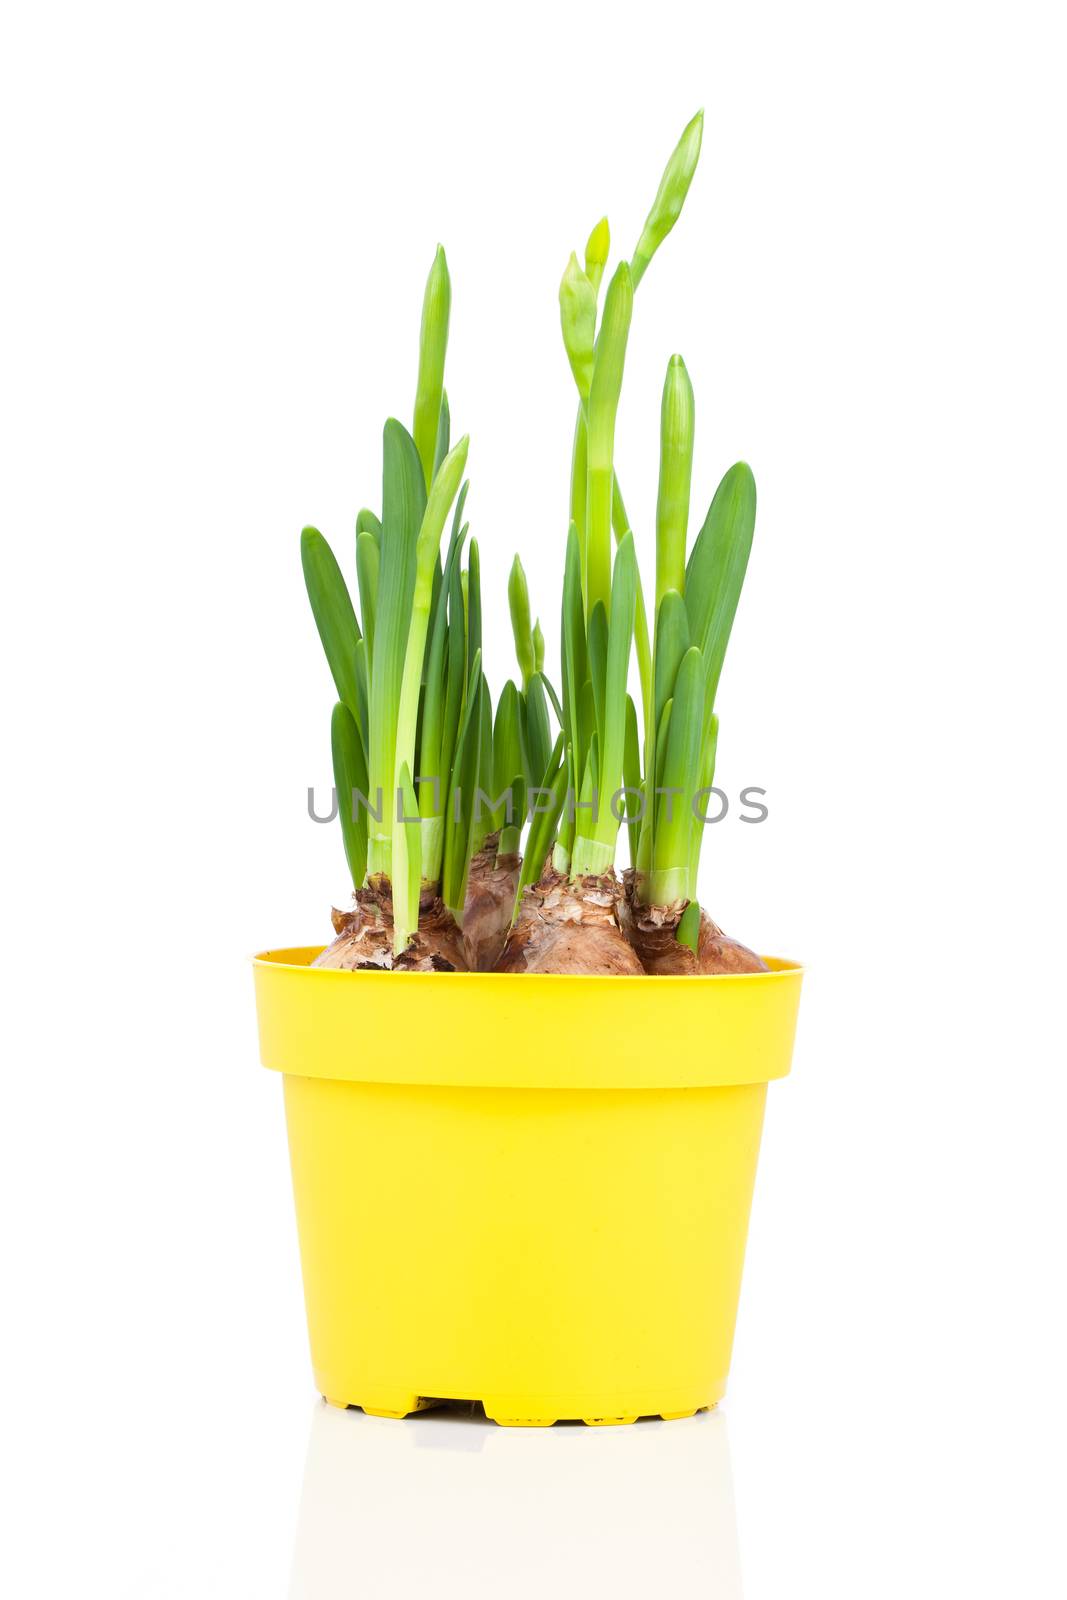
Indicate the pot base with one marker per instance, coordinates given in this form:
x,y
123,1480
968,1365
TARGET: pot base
x,y
509,1411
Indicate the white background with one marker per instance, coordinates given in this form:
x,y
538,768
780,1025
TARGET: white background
x,y
218,222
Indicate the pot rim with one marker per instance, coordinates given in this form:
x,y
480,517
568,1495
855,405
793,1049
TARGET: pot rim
x,y
604,1032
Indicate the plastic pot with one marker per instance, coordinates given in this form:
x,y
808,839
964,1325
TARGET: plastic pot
x,y
525,1190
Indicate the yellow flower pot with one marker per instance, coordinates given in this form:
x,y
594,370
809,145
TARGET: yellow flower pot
x,y
530,1191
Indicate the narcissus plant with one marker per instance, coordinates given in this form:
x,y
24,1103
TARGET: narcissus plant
x,y
649,771
409,730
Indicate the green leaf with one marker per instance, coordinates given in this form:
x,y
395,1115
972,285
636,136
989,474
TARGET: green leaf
x,y
574,672
590,800
716,570
573,636
511,832
553,697
648,836
620,637
456,671
596,834
597,643
427,554
367,564
440,593
459,814
444,433
586,728
362,707
434,759
507,749
538,735
349,776
459,531
672,642
474,602
484,822
620,525
680,779
631,777
331,605
403,505
580,488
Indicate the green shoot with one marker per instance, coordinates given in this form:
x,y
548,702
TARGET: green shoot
x,y
574,309
367,522
609,657
484,819
407,860
672,642
677,425
509,768
679,774
442,493
596,253
519,606
413,728
574,677
577,308
433,343
435,749
670,197
455,672
604,392
688,931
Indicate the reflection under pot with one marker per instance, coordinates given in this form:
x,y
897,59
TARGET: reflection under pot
x,y
445,1503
